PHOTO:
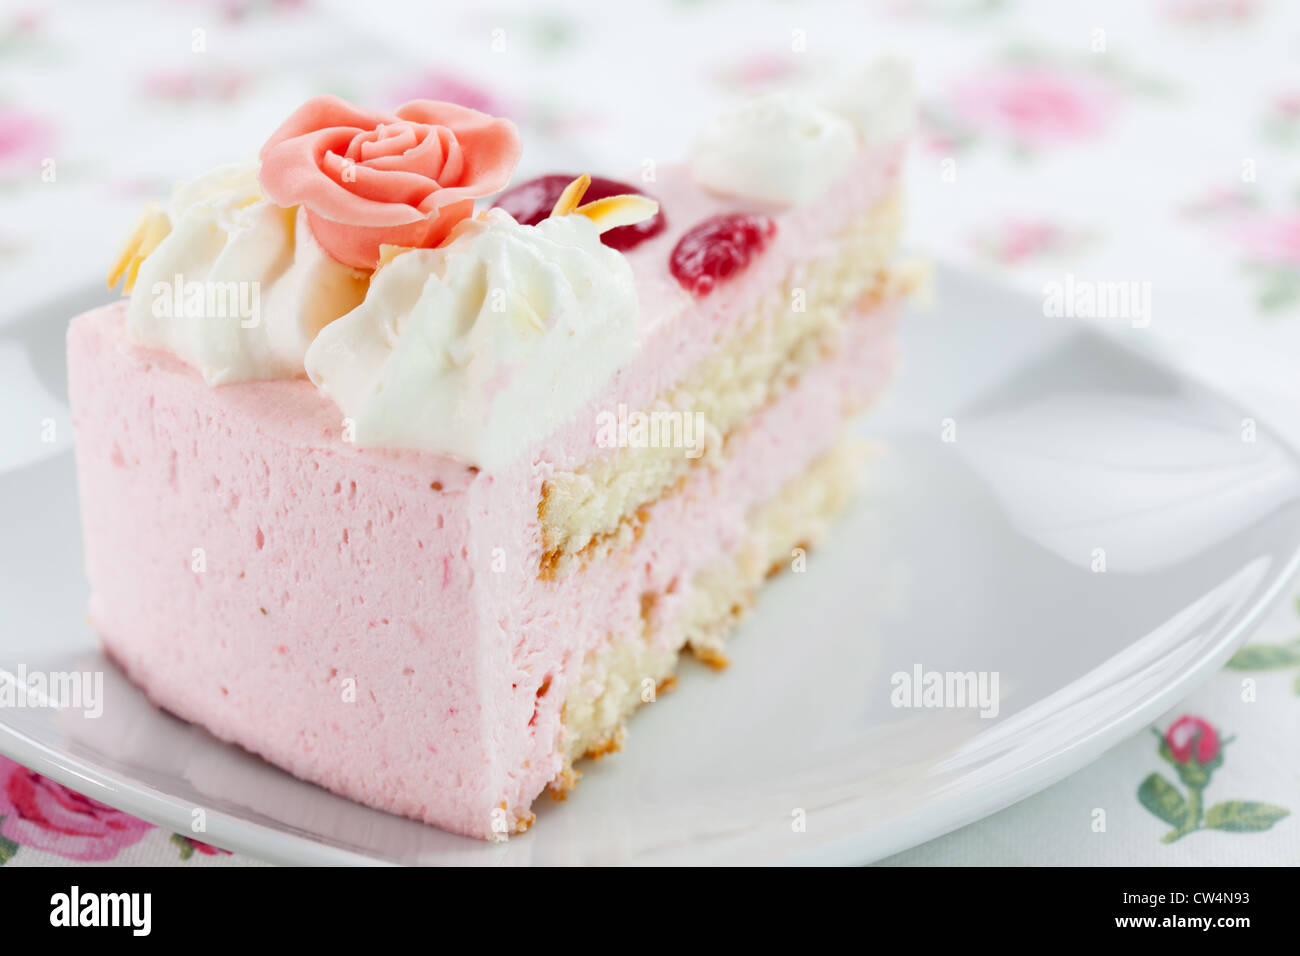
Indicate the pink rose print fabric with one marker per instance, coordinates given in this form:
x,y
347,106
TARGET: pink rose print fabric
x,y
45,822
44,815
25,139
1035,106
1193,747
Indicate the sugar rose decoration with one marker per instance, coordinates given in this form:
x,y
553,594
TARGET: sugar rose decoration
x,y
368,178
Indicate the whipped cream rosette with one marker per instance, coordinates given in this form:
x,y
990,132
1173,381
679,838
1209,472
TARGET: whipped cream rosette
x,y
247,263
232,284
789,148
487,343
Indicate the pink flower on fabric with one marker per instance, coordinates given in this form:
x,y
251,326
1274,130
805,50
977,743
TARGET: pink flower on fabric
x,y
1022,240
368,178
189,846
207,849
1193,740
45,815
1211,11
1288,104
24,137
1272,241
758,71
1014,241
1035,105
191,86
441,85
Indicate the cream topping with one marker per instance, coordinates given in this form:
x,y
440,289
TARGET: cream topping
x,y
481,347
790,148
879,101
778,147
238,287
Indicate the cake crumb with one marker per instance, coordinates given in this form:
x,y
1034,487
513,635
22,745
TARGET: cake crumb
x,y
565,781
711,656
611,744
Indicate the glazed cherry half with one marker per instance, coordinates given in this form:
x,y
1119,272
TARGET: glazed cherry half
x,y
718,248
531,202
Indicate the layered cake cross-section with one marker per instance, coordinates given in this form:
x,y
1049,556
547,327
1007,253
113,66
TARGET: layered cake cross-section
x,y
418,488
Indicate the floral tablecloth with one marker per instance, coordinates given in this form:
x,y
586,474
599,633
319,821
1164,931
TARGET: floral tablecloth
x,y
1152,141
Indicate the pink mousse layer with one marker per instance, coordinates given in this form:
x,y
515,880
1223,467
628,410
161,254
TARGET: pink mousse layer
x,y
678,330
373,621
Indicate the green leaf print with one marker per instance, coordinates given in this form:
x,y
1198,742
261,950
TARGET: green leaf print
x,y
1243,816
1164,800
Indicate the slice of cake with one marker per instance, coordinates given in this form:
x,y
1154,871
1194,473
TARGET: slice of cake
x,y
420,502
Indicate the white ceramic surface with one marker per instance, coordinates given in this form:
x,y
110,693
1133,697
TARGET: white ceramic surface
x,y
970,555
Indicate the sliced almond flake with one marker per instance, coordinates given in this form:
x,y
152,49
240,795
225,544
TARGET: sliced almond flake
x,y
614,211
160,226
571,196
149,229
388,252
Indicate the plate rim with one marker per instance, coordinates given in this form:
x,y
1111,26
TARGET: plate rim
x,y
997,795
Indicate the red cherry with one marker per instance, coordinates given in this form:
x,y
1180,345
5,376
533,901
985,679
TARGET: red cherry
x,y
718,247
531,202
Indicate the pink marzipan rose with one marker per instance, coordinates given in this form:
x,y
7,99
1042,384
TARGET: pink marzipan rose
x,y
45,815
367,178
1034,105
